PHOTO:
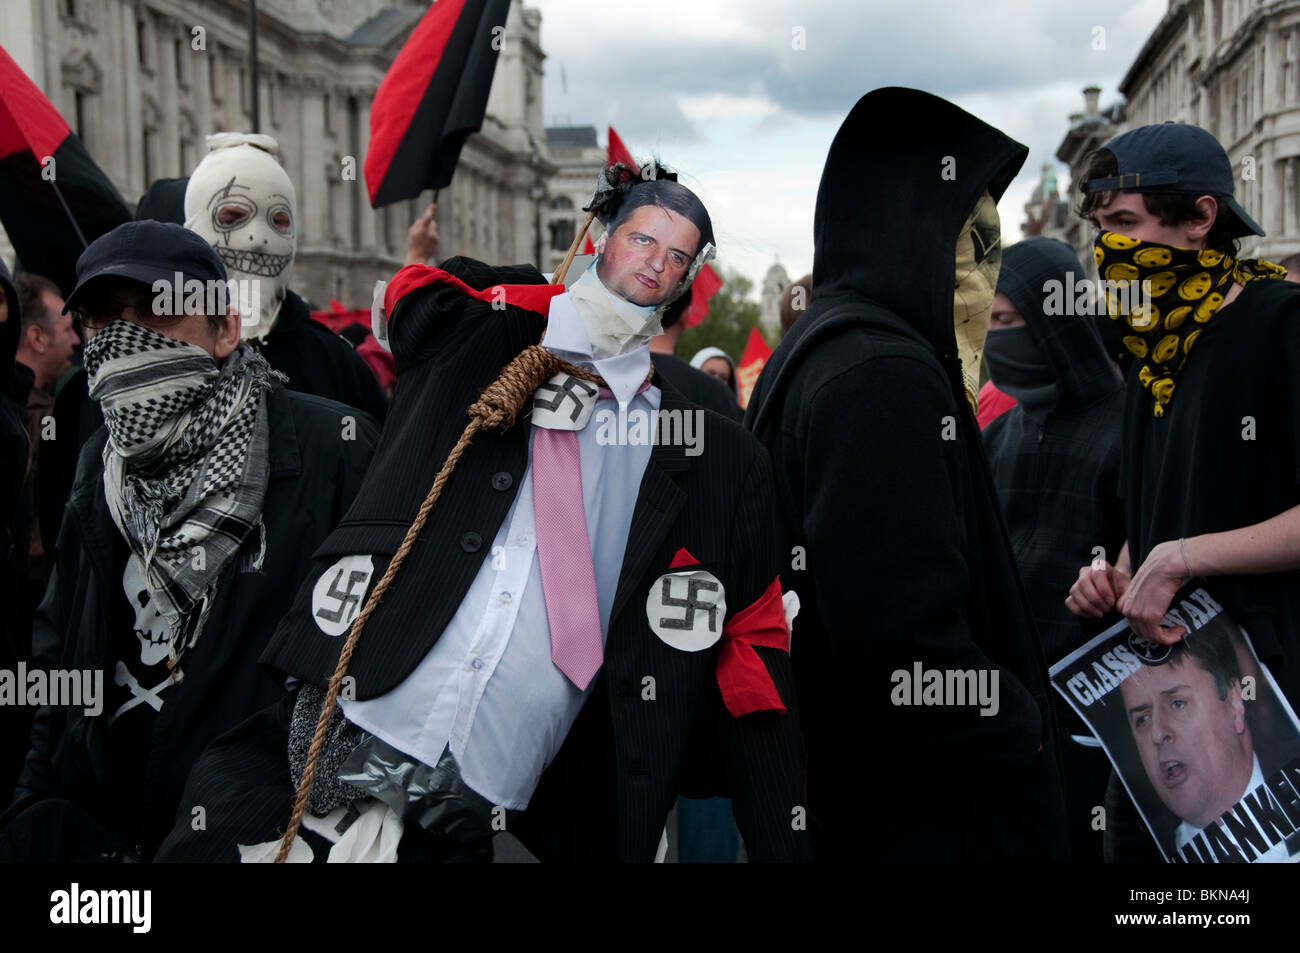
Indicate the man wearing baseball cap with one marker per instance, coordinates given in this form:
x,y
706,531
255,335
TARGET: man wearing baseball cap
x,y
1212,415
191,521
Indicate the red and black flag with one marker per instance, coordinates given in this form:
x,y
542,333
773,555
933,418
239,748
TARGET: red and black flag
x,y
54,199
432,97
615,151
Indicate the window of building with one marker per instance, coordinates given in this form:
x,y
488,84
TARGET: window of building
x,y
180,56
80,104
216,75
273,82
188,136
561,234
243,88
144,42
149,145
1287,92
329,114
561,202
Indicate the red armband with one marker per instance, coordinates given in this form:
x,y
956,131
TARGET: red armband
x,y
744,680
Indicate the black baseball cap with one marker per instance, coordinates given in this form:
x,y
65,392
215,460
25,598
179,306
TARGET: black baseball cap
x,y
147,251
1174,157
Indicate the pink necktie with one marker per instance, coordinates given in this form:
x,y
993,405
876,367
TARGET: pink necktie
x,y
564,551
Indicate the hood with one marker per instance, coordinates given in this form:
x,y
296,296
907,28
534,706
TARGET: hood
x,y
164,202
1070,342
9,331
903,173
705,354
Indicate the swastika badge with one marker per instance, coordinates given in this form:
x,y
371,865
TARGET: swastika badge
x,y
686,609
339,593
564,402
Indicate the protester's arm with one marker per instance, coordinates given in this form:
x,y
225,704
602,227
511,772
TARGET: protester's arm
x,y
1270,546
764,749
1100,586
422,237
884,540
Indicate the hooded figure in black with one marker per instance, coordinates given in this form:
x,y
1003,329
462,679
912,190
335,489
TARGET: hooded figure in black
x,y
1054,456
897,547
1055,460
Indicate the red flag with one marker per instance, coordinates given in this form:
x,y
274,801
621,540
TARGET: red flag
x,y
617,152
432,98
751,364
704,287
587,247
54,199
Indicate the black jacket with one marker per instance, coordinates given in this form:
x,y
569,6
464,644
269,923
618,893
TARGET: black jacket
x,y
315,470
699,387
897,548
318,361
1057,475
607,793
15,523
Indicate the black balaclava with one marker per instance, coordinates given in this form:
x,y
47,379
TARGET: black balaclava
x,y
1018,368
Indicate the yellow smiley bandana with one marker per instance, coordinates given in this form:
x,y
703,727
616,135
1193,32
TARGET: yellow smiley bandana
x,y
1166,295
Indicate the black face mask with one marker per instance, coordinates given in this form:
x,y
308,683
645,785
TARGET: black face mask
x,y
1018,368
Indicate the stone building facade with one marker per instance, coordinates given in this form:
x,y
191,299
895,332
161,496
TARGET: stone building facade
x,y
142,82
578,160
1233,68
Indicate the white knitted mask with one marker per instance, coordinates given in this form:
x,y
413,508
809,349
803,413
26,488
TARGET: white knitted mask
x,y
241,200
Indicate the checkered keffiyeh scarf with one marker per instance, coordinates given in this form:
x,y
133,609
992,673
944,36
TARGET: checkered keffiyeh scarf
x,y
186,463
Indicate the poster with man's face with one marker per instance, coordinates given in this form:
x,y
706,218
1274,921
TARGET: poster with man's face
x,y
1200,736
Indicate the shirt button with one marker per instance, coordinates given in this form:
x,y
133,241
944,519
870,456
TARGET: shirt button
x,y
505,597
471,542
502,481
476,664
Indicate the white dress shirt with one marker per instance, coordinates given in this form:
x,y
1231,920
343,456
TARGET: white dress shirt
x,y
1277,854
488,687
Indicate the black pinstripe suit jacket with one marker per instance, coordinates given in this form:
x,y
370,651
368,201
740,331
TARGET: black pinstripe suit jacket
x,y
611,786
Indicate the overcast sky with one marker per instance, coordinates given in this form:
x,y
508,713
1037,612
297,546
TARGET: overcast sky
x,y
718,91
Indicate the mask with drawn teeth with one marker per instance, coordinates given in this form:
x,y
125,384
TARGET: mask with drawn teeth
x,y
259,263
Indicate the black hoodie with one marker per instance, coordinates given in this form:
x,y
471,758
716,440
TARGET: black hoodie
x,y
1057,475
898,550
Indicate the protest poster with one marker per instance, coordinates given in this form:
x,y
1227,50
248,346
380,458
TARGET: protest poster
x,y
1204,742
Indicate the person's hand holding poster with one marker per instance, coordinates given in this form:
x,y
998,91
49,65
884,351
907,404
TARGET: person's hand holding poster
x,y
1204,743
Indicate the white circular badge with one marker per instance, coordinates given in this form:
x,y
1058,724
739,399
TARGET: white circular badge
x,y
686,609
340,592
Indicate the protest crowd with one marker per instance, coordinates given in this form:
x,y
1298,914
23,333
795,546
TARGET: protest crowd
x,y
501,562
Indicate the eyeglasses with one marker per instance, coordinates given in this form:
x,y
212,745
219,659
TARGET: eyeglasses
x,y
105,312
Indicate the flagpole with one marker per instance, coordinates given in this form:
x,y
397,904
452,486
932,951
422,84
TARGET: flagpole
x,y
573,250
256,112
71,219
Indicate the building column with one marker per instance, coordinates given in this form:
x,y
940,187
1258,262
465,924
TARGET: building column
x,y
367,214
1289,199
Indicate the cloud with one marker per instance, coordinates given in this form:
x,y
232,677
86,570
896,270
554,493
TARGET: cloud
x,y
718,89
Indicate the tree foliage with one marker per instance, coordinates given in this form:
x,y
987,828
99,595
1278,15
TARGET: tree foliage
x,y
731,315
